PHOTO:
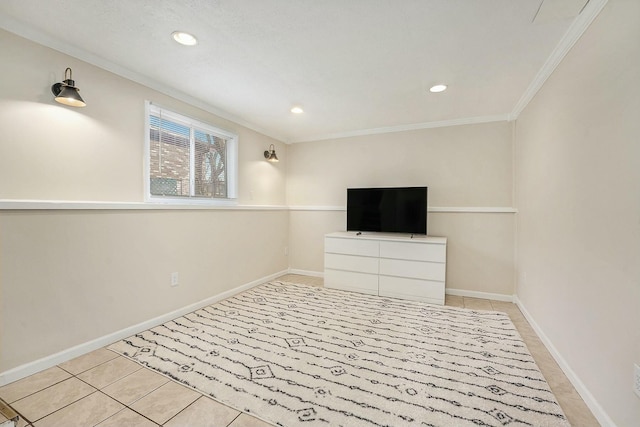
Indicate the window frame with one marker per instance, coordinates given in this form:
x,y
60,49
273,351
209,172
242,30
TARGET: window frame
x,y
231,164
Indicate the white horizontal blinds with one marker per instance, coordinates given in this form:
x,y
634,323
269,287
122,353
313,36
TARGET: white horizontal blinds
x,y
187,159
210,155
170,154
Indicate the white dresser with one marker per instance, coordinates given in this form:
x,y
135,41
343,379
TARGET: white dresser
x,y
387,264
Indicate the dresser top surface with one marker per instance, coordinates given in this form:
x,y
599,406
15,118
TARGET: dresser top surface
x,y
391,237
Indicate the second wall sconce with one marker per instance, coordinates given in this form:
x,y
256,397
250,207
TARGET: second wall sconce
x,y
270,154
66,92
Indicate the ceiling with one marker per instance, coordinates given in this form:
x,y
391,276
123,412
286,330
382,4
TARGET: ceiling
x,y
355,66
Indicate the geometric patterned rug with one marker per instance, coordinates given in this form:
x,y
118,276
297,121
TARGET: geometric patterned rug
x,y
297,355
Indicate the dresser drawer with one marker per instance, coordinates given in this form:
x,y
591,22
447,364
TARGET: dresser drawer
x,y
351,246
351,281
414,251
389,265
419,290
413,269
351,263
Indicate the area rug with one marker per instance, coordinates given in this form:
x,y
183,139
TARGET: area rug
x,y
296,355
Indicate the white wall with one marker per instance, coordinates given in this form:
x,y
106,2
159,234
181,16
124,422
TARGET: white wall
x,y
70,276
578,197
464,167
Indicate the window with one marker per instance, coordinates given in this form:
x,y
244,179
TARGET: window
x,y
188,161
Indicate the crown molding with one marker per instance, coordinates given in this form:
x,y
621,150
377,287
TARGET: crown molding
x,y
575,31
573,34
403,128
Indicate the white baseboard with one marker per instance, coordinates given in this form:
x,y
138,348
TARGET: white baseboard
x,y
477,294
306,272
458,292
589,400
36,366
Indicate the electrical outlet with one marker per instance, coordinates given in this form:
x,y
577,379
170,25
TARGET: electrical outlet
x,y
174,279
286,251
636,379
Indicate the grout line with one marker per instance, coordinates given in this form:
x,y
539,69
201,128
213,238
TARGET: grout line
x,y
66,406
39,390
59,382
233,420
109,397
141,397
142,415
184,409
93,367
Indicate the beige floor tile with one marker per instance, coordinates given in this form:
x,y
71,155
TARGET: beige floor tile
x,y
517,317
204,412
562,388
477,304
506,307
305,280
245,420
135,386
537,348
88,361
578,413
165,402
109,372
454,301
32,384
89,411
44,402
126,418
524,329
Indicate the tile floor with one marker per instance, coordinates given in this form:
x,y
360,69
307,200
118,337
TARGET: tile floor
x,y
105,389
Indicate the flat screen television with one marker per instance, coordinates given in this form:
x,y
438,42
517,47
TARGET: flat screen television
x,y
390,210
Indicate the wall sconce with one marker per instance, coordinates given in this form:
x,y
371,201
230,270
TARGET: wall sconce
x,y
270,154
67,93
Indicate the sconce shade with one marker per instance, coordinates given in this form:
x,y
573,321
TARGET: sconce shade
x,y
270,154
67,93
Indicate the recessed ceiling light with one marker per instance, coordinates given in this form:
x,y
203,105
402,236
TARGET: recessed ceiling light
x,y
438,88
184,38
297,110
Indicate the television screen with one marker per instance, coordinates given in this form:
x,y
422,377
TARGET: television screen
x,y
391,210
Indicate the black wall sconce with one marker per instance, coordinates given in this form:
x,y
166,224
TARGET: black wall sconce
x,y
270,154
66,92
